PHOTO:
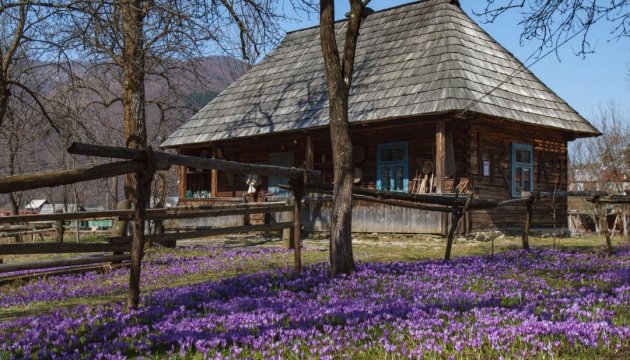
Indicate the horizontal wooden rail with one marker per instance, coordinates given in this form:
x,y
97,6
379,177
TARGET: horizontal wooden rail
x,y
190,161
398,203
563,194
219,212
64,177
77,269
60,263
218,231
26,232
61,248
434,199
165,213
87,215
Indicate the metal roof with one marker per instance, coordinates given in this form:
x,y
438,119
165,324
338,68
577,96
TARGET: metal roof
x,y
422,58
35,204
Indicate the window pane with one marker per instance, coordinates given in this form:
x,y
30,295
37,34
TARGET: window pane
x,y
386,179
523,156
399,181
518,178
393,154
527,183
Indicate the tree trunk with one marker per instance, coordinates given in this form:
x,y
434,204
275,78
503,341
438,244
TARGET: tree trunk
x,y
338,81
137,248
341,258
133,67
4,99
138,186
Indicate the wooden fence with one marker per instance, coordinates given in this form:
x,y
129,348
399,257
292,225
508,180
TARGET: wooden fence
x,y
121,247
143,164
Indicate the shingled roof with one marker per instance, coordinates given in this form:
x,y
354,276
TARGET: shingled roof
x,y
422,58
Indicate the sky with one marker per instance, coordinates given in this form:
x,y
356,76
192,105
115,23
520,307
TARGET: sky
x,y
585,82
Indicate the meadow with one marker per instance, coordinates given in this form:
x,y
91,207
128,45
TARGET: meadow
x,y
238,298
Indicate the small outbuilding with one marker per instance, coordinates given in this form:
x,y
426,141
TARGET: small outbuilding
x,y
435,102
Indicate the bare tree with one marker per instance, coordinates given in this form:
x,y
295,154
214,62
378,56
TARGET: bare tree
x,y
339,72
603,163
27,30
552,23
142,38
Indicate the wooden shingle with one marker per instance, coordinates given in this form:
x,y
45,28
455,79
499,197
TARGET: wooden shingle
x,y
417,59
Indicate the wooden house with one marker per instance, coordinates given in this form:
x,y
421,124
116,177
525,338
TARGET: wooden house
x,y
434,99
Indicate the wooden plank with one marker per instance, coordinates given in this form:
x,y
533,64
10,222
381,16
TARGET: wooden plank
x,y
166,213
298,185
434,199
309,152
65,216
218,231
287,233
219,212
65,177
214,175
60,248
190,161
440,155
79,269
60,263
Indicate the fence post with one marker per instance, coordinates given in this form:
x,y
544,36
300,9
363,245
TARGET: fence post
x,y
457,214
529,205
603,224
288,240
298,192
60,231
143,182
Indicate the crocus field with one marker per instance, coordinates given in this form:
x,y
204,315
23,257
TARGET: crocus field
x,y
537,304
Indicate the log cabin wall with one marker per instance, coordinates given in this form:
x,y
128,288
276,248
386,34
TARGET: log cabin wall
x,y
368,217
474,141
491,140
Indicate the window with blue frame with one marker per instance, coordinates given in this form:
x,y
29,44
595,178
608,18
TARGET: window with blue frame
x,y
392,166
522,169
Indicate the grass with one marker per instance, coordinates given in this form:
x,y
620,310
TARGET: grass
x,y
367,248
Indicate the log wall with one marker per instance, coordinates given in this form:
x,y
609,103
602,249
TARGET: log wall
x,y
491,142
474,140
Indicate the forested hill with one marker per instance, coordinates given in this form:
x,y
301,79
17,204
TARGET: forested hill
x,y
82,101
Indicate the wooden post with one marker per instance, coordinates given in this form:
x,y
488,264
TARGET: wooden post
x,y
288,241
528,222
309,152
214,181
298,192
246,217
456,216
142,193
78,234
603,223
625,209
60,231
440,155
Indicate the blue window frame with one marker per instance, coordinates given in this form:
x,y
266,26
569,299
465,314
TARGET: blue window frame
x,y
522,169
392,166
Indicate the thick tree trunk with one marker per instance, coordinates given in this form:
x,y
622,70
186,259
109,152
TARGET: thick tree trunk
x,y
133,66
341,258
138,186
137,248
338,80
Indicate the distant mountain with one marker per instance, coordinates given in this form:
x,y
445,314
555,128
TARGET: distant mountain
x,y
171,101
